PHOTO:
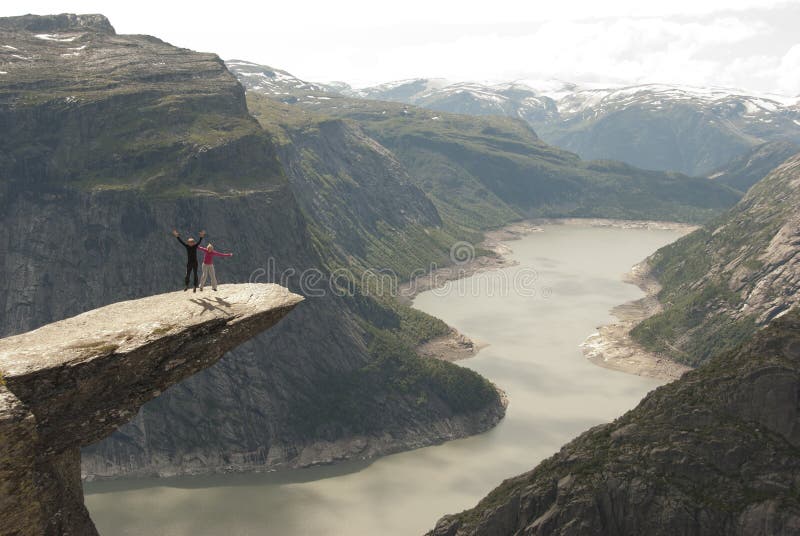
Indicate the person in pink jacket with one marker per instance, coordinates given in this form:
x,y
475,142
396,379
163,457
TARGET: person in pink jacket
x,y
208,265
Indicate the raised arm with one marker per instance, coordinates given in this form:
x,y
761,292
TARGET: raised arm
x,y
202,236
178,236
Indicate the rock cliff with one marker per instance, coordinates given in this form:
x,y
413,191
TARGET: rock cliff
x,y
487,171
733,276
72,383
112,141
715,452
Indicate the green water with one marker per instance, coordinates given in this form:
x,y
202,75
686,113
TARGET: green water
x,y
570,278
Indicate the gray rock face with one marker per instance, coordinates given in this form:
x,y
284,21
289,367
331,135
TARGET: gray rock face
x,y
85,107
110,141
715,452
737,274
71,383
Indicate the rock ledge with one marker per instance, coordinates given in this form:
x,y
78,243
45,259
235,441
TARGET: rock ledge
x,y
71,383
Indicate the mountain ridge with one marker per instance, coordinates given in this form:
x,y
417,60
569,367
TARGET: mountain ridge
x,y
648,125
458,160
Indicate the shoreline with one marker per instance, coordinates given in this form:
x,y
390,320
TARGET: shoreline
x,y
455,346
610,347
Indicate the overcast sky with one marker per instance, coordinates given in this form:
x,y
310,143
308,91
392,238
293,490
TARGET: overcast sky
x,y
749,44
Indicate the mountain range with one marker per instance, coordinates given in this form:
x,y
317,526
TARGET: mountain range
x,y
483,171
113,140
653,126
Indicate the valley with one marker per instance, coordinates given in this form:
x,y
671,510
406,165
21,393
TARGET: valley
x,y
454,257
532,352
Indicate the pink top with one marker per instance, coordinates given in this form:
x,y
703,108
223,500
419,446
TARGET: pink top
x,y
209,258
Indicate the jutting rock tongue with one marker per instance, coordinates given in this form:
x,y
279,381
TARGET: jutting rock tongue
x,y
71,383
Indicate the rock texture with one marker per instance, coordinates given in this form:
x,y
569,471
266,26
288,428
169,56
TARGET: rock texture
x,y
112,141
715,452
731,277
487,171
121,111
359,199
72,383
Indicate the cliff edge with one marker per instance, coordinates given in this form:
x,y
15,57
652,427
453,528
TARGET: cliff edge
x,y
72,383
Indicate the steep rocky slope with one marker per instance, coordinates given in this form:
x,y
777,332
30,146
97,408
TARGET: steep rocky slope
x,y
82,105
486,171
735,275
716,452
466,163
137,137
743,172
73,382
358,198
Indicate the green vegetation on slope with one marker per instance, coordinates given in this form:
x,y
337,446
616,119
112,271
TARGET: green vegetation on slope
x,y
483,171
746,170
94,110
723,281
363,209
355,402
711,453
374,228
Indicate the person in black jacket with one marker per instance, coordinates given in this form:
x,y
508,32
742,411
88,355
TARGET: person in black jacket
x,y
191,257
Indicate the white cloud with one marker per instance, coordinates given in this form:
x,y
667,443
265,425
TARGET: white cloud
x,y
788,72
627,49
363,42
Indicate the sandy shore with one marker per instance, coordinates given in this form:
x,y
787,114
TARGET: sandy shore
x,y
451,347
622,224
455,345
492,241
612,347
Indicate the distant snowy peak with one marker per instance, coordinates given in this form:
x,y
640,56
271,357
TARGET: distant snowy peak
x,y
264,79
400,90
549,99
513,99
658,95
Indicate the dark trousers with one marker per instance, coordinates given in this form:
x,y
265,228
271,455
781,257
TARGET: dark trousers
x,y
191,267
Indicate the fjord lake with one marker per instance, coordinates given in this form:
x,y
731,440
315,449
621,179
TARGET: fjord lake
x,y
531,316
